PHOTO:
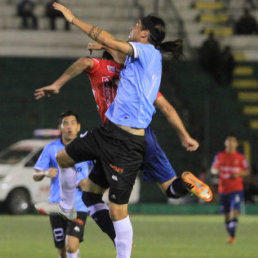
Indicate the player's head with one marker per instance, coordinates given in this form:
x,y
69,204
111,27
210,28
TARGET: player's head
x,y
148,29
231,143
69,125
152,29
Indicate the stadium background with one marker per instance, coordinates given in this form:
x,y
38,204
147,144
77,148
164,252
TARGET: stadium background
x,y
31,59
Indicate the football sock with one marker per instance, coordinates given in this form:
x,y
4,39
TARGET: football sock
x,y
67,180
176,189
124,237
231,227
99,211
73,255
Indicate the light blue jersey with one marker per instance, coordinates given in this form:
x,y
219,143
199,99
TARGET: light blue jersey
x,y
47,160
138,88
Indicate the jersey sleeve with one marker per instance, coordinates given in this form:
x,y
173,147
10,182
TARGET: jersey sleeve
x,y
245,165
96,64
83,170
44,159
216,162
143,52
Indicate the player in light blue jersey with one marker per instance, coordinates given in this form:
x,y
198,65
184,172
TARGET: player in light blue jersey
x,y
119,145
67,234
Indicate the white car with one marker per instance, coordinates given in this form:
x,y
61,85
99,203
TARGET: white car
x,y
18,190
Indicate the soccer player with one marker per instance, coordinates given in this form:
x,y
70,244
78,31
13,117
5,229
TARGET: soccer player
x,y
104,74
119,145
231,167
67,234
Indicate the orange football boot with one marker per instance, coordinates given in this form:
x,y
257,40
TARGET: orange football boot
x,y
231,240
196,186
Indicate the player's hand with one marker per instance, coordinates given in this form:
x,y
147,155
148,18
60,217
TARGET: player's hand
x,y
94,46
51,172
190,144
46,91
65,11
39,175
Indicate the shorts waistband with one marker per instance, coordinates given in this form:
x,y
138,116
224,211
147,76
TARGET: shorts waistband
x,y
124,131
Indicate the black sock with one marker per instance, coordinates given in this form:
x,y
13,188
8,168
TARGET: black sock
x,y
176,189
103,220
231,227
100,216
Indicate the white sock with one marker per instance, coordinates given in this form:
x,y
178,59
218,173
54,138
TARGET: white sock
x,y
67,180
73,255
124,237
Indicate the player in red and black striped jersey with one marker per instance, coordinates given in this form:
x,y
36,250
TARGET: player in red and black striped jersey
x,y
231,166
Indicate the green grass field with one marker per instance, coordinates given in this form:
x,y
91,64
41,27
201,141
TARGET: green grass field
x,y
154,236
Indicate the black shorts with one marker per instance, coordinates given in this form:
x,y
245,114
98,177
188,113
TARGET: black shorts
x,y
62,227
118,155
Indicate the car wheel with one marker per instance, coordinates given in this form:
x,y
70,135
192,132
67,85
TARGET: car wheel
x,y
18,201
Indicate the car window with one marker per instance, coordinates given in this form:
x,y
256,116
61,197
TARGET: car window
x,y
12,156
33,159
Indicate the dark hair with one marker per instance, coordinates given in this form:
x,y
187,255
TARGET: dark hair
x,y
107,56
231,135
65,114
157,29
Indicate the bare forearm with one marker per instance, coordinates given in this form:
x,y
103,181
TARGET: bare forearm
x,y
92,31
243,173
176,122
103,37
74,70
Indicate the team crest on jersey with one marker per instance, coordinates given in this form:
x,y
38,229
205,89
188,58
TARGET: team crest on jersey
x,y
113,69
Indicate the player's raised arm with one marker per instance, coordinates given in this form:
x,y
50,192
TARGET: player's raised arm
x,y
82,64
95,33
117,56
173,118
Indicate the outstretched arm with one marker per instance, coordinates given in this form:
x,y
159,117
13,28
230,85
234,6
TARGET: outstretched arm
x,y
82,64
173,118
95,33
117,56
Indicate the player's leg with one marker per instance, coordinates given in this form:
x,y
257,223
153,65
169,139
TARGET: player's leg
x,y
72,247
231,218
173,188
58,225
224,200
121,162
81,149
157,168
74,235
94,189
121,221
67,179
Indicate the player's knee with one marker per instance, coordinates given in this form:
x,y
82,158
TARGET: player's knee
x,y
63,160
71,247
60,159
118,212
